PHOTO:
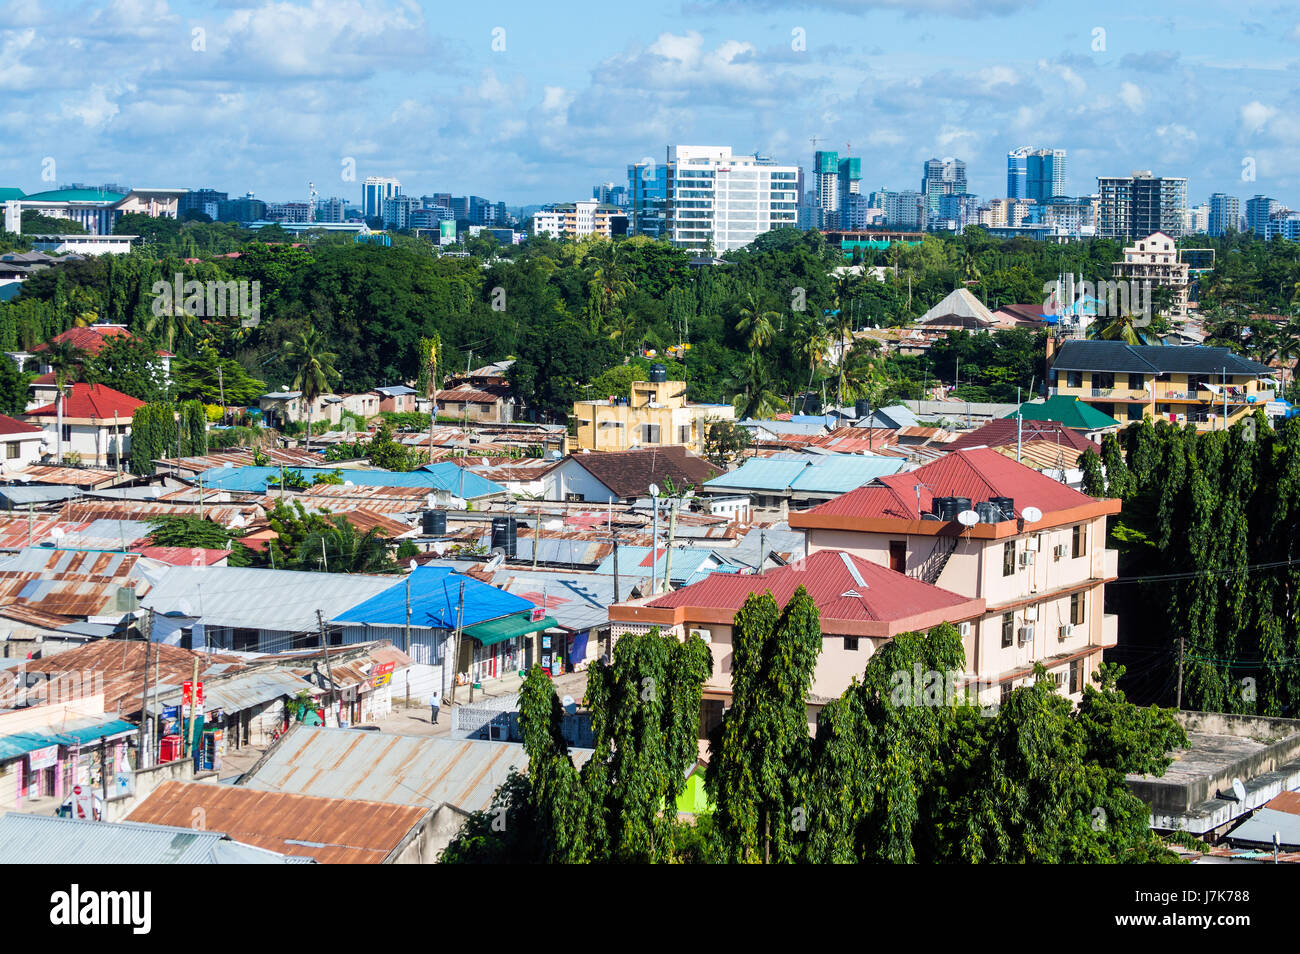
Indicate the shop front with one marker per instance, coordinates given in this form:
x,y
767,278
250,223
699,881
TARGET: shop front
x,y
497,647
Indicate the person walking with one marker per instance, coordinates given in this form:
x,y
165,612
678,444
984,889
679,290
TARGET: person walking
x,y
435,703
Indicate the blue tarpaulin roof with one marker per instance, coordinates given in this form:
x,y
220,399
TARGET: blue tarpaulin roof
x,y
435,592
80,733
444,476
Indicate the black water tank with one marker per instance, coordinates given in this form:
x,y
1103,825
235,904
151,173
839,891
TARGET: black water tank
x,y
946,508
961,504
988,511
658,374
812,403
434,523
861,409
1005,504
503,535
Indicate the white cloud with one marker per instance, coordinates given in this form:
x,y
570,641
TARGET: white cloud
x,y
1131,95
1255,116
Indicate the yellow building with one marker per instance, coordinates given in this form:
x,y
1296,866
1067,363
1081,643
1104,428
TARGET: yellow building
x,y
656,415
1183,385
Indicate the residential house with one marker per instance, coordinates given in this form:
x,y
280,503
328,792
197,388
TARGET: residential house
x,y
860,603
1071,413
22,445
49,840
96,423
1183,385
282,408
603,477
799,480
656,414
364,405
959,310
1035,555
1155,262
397,398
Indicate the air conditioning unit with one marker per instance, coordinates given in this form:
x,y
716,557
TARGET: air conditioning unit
x,y
704,634
1058,552
963,628
1067,630
1031,543
1027,558
1026,633
1031,612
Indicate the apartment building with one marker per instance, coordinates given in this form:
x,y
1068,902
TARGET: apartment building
x,y
723,201
373,193
1028,551
576,220
1182,385
1156,259
1139,204
656,414
1225,214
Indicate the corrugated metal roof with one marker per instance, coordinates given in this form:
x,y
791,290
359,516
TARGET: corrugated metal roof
x,y
402,769
242,690
44,840
444,476
331,830
252,598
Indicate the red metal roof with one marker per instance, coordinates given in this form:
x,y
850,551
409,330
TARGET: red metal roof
x,y
977,474
877,593
9,425
184,556
92,338
997,433
86,401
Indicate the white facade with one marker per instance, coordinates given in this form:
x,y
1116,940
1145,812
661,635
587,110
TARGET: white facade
x,y
374,191
726,201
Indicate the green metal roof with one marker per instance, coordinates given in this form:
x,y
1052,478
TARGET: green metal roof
x,y
7,193
76,195
1067,410
508,627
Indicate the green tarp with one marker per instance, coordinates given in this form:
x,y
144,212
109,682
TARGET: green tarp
x,y
508,627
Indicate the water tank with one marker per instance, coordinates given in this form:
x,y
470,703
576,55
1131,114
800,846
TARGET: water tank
x,y
658,374
434,523
861,409
1005,504
812,403
961,504
988,511
503,535
945,508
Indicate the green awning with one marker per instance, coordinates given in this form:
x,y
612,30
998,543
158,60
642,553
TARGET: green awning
x,y
508,627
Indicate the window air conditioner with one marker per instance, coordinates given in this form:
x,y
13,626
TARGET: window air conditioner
x,y
1059,551
1067,630
1026,633
1027,558
1031,543
963,628
704,634
1031,612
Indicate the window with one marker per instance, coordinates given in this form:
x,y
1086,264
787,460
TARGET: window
x,y
1008,629
898,556
244,640
67,432
1006,692
649,433
1074,379
1009,558
1079,541
850,644
1103,380
1076,676
684,434
1137,382
1078,603
11,450
575,498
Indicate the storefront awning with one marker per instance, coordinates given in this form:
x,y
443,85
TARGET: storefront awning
x,y
508,627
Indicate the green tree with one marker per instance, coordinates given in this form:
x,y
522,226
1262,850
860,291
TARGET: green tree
x,y
314,370
66,360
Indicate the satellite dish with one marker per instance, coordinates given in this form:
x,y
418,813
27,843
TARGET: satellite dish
x,y
494,564
1031,515
413,564
968,518
57,533
1238,790
348,483
654,490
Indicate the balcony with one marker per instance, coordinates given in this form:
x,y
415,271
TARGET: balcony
x,y
1109,630
1105,564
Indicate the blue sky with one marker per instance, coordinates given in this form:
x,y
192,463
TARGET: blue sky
x,y
270,95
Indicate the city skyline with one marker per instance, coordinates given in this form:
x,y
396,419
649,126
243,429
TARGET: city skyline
x,y
509,105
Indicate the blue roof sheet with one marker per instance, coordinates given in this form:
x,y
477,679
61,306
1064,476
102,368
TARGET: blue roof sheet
x,y
444,476
835,473
79,733
435,594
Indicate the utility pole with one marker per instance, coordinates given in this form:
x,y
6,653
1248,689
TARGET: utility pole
x,y
324,651
460,618
142,743
221,387
406,636
668,550
616,599
186,747
1181,646
1019,424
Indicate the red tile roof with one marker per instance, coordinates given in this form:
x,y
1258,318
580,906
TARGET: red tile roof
x,y
1003,431
977,474
184,556
9,425
92,338
876,594
86,401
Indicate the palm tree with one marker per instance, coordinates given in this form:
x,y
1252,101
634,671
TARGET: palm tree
x,y
756,324
315,370
174,322
755,397
66,360
1121,327
813,345
345,549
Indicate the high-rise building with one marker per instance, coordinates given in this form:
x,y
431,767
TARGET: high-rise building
x,y
1225,214
725,201
290,212
396,211
1037,174
826,171
1140,204
904,210
1196,220
1258,210
374,191
941,177
575,220
850,184
246,209
647,189
331,210
207,201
